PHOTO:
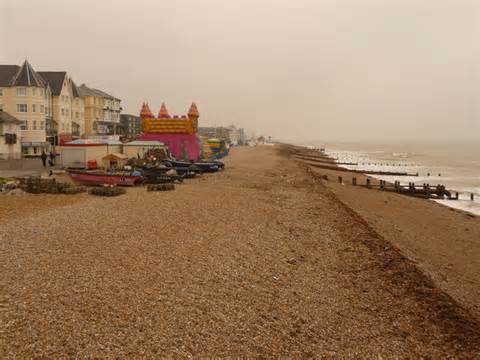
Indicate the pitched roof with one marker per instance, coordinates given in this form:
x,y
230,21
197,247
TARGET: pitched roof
x,y
26,76
54,79
103,94
75,90
7,72
84,90
9,119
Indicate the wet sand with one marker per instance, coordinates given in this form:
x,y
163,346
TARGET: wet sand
x,y
443,242
260,260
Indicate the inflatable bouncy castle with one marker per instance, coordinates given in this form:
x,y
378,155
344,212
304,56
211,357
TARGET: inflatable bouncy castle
x,y
178,133
218,148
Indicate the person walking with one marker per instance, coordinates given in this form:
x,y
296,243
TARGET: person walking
x,y
44,158
53,155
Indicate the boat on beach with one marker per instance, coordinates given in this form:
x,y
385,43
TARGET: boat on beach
x,y
204,166
104,178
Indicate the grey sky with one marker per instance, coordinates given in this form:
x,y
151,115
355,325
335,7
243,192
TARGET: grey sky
x,y
300,69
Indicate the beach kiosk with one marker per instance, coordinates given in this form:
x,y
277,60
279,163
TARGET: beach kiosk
x,y
114,161
87,153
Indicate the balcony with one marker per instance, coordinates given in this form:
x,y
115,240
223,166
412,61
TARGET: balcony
x,y
75,129
51,127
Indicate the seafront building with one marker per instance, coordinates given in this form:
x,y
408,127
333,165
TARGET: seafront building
x,y
102,112
230,134
67,120
53,110
131,125
236,136
10,146
27,96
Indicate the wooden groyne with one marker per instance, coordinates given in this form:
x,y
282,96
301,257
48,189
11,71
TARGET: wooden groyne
x,y
318,159
425,191
322,161
367,172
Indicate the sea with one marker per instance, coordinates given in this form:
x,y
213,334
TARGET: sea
x,y
457,166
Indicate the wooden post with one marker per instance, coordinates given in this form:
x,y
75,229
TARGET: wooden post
x,y
456,195
354,181
382,184
472,196
340,179
368,183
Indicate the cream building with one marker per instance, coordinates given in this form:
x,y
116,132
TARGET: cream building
x,y
68,120
78,113
93,103
102,112
25,95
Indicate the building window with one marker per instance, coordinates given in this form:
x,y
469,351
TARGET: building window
x,y
23,126
34,124
67,97
76,115
66,112
34,107
42,109
42,125
35,149
22,108
63,111
21,91
34,91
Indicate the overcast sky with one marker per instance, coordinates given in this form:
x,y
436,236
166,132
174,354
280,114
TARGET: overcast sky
x,y
297,69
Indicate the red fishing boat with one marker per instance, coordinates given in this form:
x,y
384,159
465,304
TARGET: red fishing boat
x,y
102,178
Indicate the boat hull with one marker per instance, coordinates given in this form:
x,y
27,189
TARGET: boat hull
x,y
102,179
204,166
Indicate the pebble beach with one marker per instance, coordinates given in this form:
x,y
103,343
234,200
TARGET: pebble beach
x,y
263,259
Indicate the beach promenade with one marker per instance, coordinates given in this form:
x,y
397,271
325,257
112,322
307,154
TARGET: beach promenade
x,y
262,259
